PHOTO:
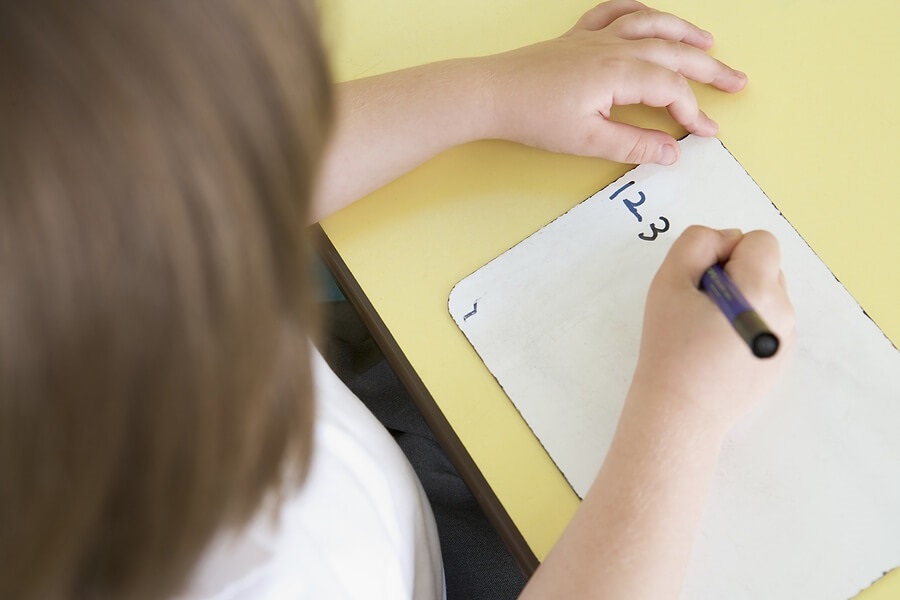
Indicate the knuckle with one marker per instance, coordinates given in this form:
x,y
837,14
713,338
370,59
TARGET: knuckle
x,y
642,151
695,235
767,243
643,17
639,22
765,236
680,84
694,240
660,47
620,66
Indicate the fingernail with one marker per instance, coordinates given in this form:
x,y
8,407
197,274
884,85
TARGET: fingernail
x,y
731,233
667,155
707,34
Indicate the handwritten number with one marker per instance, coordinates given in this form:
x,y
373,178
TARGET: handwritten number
x,y
632,206
471,313
655,231
621,189
655,228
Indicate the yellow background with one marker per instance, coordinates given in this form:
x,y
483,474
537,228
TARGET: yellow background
x,y
817,127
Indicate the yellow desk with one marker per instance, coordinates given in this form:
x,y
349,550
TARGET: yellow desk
x,y
817,128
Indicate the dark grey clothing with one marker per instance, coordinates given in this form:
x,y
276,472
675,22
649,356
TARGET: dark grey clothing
x,y
477,564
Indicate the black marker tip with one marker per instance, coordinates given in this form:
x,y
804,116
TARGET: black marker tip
x,y
765,345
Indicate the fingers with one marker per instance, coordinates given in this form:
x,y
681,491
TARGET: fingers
x,y
605,14
756,260
631,20
671,42
643,24
752,257
690,62
621,52
695,250
753,260
651,85
664,52
755,267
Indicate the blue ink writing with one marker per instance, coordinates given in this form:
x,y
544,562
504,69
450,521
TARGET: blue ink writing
x,y
661,226
632,206
472,313
621,189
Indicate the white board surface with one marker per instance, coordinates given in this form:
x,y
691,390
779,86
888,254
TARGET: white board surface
x,y
806,500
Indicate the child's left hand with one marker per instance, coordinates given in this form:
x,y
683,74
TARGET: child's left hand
x,y
557,95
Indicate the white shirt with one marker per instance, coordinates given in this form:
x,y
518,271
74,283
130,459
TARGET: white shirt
x,y
360,527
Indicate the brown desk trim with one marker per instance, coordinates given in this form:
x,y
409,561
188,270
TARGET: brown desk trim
x,y
424,401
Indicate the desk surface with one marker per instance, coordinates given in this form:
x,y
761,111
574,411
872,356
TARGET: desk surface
x,y
817,128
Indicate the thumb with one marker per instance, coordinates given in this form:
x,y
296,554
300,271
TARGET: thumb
x,y
629,144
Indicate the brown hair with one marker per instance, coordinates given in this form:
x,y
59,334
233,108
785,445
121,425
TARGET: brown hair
x,y
156,163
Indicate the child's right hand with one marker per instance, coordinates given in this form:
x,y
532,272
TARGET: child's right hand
x,y
633,533
693,365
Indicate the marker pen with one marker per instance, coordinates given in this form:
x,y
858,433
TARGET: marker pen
x,y
719,286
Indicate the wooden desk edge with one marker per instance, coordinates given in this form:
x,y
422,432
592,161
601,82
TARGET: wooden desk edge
x,y
443,432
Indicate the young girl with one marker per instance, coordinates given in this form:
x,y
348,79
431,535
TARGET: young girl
x,y
166,427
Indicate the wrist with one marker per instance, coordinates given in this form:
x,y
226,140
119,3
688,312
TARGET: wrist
x,y
493,85
463,90
691,422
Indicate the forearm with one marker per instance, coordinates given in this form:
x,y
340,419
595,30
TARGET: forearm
x,y
555,95
389,124
632,536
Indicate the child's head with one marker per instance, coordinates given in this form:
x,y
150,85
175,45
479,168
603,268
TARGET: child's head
x,y
156,161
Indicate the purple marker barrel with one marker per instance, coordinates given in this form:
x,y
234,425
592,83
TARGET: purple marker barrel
x,y
719,286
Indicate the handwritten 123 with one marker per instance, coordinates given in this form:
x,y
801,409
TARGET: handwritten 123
x,y
632,204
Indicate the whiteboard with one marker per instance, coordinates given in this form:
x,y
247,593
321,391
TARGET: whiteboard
x,y
806,499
